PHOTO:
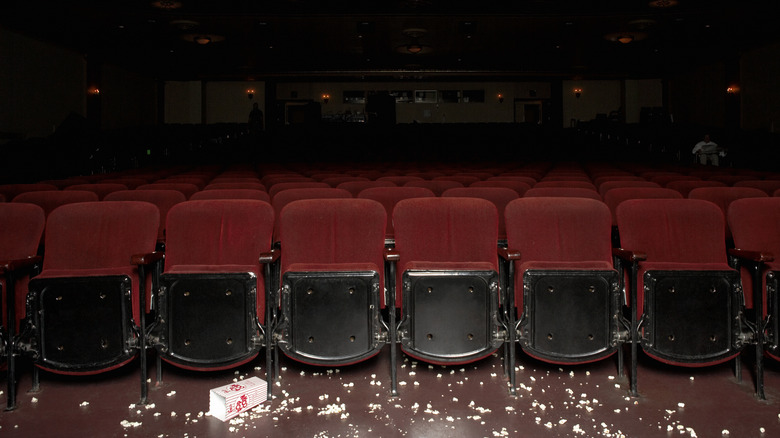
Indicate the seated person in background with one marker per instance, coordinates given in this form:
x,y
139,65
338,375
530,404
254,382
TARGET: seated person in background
x,y
708,151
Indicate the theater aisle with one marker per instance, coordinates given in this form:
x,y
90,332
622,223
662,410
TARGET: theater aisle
x,y
434,401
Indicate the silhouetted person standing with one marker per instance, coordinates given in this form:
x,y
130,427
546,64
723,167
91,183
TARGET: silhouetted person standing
x,y
255,119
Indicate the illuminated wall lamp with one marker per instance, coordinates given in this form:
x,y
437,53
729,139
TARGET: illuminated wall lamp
x,y
577,92
93,91
732,89
625,39
325,98
500,98
250,93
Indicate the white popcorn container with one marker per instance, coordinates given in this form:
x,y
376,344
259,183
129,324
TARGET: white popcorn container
x,y
230,400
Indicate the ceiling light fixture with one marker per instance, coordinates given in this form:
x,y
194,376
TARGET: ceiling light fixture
x,y
166,4
202,39
414,48
625,39
662,3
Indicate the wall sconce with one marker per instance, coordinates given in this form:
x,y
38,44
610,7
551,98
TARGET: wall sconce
x,y
202,39
93,90
325,98
625,39
250,93
732,89
500,98
577,92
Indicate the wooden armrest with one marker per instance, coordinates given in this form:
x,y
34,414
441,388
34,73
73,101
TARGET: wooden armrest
x,y
14,265
391,255
509,254
147,258
629,255
756,256
270,256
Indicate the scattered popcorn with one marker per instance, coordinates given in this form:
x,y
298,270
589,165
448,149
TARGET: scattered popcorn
x,y
171,394
84,403
127,424
173,414
725,432
680,405
34,400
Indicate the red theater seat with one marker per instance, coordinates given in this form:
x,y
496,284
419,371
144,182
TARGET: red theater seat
x,y
447,278
332,272
213,306
565,286
684,289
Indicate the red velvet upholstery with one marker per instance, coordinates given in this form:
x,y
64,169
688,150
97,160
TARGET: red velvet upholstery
x,y
225,184
565,192
355,187
334,181
51,199
199,181
768,186
518,186
663,180
390,196
438,233
724,196
333,235
565,183
21,229
278,187
531,181
101,189
130,183
284,197
220,235
259,195
11,190
466,180
609,185
685,186
186,188
599,179
675,234
163,199
558,233
615,196
399,180
499,196
98,239
436,186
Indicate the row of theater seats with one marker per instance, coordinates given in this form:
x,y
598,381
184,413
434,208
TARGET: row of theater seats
x,y
556,287
556,284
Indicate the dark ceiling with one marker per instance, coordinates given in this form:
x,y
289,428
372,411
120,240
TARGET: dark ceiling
x,y
255,39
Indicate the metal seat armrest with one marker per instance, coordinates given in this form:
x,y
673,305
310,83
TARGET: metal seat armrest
x,y
509,254
7,266
147,258
629,255
270,256
754,256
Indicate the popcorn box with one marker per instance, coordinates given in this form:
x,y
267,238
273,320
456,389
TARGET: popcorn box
x,y
230,400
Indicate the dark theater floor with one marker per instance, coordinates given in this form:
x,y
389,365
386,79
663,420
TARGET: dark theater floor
x,y
470,401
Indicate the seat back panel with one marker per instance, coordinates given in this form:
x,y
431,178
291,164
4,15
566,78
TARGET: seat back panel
x,y
690,316
84,323
331,317
210,319
559,324
450,317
